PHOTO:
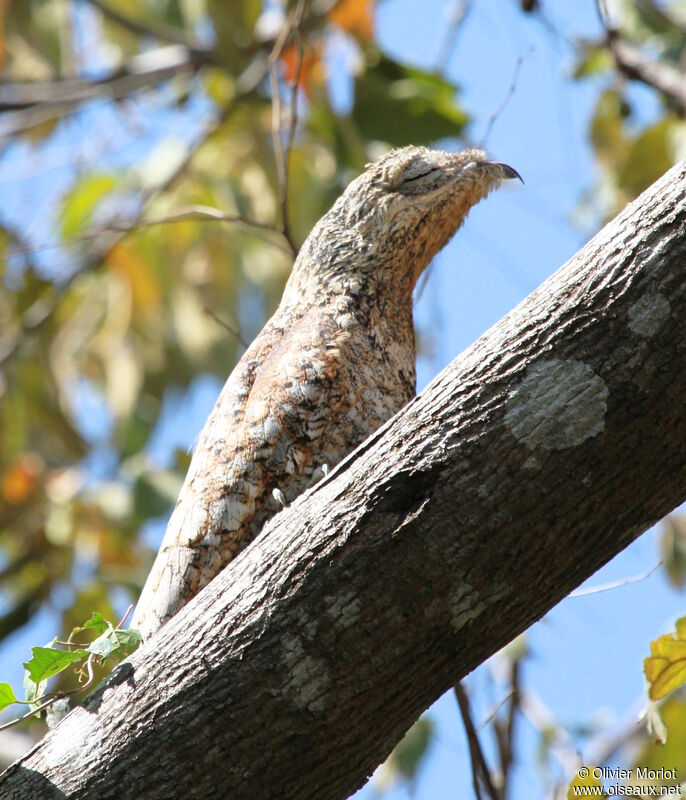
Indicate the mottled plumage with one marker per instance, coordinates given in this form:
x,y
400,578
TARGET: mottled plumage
x,y
335,361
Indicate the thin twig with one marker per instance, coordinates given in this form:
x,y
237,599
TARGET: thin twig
x,y
227,326
198,213
505,731
508,96
492,713
246,84
603,15
66,94
55,696
126,616
606,587
457,19
164,33
479,765
282,155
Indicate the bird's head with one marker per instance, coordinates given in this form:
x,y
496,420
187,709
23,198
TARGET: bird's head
x,y
405,207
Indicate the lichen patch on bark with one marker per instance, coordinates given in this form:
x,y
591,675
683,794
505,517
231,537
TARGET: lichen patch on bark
x,y
560,403
309,676
648,313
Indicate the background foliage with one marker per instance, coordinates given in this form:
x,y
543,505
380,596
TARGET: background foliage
x,y
122,300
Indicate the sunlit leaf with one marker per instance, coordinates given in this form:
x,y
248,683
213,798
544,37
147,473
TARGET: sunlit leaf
x,y
121,642
403,105
18,483
130,261
82,201
665,668
355,17
594,59
33,691
312,68
7,696
47,662
96,622
585,778
668,728
607,130
648,157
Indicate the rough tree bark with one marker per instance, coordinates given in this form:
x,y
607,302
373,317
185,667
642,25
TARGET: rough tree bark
x,y
536,456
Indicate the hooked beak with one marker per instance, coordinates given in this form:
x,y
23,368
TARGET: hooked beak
x,y
508,172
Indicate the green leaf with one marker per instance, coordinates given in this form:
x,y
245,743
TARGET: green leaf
x,y
410,751
116,640
402,105
594,59
649,156
7,696
104,645
82,201
155,493
47,662
129,640
585,779
33,691
98,622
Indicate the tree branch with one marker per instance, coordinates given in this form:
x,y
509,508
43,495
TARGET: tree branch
x,y
155,30
536,456
636,65
476,754
282,154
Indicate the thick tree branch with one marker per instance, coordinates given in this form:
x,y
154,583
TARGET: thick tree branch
x,y
536,456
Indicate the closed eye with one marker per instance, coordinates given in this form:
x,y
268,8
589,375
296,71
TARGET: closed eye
x,y
422,175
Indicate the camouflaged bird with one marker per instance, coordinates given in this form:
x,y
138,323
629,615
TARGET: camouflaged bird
x,y
335,361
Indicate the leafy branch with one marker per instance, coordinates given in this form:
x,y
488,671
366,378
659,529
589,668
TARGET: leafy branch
x,y
112,642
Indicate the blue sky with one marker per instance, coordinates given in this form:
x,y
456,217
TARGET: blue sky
x,y
586,654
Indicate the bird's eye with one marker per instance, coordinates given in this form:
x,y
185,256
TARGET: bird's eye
x,y
420,175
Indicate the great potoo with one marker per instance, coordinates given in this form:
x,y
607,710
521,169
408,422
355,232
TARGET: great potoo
x,y
335,361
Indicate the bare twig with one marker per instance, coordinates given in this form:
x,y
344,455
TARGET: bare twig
x,y
227,326
505,730
164,33
121,622
606,587
157,67
480,768
198,213
457,18
506,99
494,710
282,154
246,84
33,104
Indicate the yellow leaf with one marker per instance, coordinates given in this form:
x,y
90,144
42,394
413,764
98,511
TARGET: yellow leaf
x,y
312,68
586,779
355,17
129,263
20,480
665,668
